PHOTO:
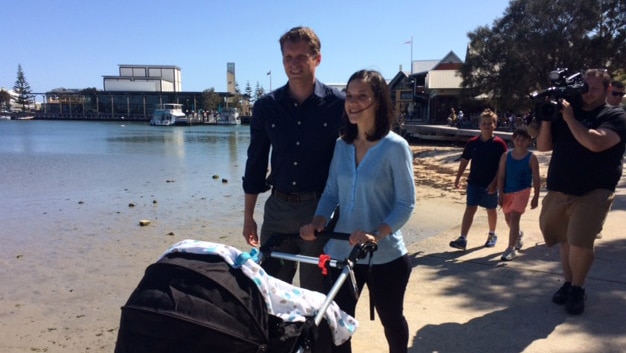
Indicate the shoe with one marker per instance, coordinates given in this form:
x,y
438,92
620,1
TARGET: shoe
x,y
561,295
491,241
575,304
460,243
520,241
508,255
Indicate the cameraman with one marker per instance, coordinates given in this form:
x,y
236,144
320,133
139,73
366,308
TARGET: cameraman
x,y
587,146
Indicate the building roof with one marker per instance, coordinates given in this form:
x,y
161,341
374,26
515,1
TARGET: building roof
x,y
399,77
151,66
449,61
424,65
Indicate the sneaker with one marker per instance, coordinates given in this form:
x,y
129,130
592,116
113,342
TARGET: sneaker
x,y
561,295
491,241
520,241
575,304
460,243
508,255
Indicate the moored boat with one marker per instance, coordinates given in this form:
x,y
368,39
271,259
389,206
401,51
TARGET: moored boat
x,y
169,114
228,116
23,116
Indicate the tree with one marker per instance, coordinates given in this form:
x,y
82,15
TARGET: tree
x,y
5,100
22,90
235,101
211,100
514,56
258,91
248,91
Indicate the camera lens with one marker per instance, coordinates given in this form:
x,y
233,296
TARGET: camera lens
x,y
547,111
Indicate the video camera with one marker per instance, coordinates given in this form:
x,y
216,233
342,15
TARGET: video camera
x,y
564,86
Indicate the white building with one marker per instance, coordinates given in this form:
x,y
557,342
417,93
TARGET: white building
x,y
145,78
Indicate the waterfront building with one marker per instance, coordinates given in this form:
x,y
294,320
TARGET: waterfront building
x,y
144,78
427,94
133,95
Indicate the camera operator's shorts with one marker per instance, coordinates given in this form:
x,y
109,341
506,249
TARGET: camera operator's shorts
x,y
576,220
479,196
515,201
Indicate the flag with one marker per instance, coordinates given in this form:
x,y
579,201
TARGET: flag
x,y
269,72
408,41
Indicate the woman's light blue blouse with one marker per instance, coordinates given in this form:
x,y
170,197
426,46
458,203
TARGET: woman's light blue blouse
x,y
381,189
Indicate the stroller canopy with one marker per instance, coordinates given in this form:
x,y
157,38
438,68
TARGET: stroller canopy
x,y
208,297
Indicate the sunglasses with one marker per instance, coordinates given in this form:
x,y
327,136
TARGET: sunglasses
x,y
617,94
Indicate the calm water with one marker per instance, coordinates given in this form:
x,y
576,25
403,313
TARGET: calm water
x,y
62,175
66,179
43,159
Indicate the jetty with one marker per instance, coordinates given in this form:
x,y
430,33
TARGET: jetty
x,y
447,133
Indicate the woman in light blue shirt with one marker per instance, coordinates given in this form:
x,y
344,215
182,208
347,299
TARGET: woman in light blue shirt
x,y
371,180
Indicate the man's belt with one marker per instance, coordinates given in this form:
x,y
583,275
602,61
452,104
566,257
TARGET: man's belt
x,y
296,196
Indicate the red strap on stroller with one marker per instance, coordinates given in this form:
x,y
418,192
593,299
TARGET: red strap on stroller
x,y
323,263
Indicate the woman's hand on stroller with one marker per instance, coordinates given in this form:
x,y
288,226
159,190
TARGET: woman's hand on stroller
x,y
360,237
308,231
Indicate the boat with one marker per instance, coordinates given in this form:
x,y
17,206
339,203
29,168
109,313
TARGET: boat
x,y
169,114
23,116
228,116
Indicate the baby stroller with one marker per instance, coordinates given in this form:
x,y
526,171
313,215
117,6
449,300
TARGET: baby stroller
x,y
208,297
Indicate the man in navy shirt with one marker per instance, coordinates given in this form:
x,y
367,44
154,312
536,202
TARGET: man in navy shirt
x,y
299,123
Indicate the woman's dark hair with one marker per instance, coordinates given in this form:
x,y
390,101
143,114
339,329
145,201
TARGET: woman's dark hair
x,y
521,132
383,116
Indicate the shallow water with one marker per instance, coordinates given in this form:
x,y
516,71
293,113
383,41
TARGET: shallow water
x,y
97,180
82,177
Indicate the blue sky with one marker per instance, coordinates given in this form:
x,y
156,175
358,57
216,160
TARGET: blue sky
x,y
72,44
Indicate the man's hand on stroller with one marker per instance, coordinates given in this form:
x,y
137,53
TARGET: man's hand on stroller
x,y
307,231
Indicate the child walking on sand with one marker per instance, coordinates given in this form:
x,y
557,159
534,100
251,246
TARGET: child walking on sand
x,y
484,151
519,169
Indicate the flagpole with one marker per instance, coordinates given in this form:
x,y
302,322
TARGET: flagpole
x,y
411,63
269,73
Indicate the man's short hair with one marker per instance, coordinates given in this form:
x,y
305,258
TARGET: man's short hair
x,y
601,73
305,34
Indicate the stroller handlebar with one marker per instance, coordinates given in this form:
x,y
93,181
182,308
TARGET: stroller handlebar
x,y
359,251
277,238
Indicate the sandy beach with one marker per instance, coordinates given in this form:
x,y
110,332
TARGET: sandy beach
x,y
65,294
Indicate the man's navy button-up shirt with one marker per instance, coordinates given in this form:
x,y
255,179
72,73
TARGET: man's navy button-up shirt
x,y
301,136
